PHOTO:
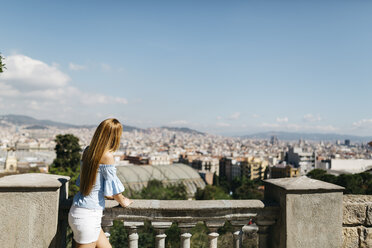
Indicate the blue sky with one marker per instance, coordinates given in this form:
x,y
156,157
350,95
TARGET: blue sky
x,y
223,67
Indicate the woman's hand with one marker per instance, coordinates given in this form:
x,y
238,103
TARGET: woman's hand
x,y
127,202
122,200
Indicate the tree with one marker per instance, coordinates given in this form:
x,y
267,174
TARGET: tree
x,y
67,161
68,152
2,65
211,192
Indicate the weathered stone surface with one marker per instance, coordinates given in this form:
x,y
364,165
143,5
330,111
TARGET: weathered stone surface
x,y
354,214
28,219
369,214
350,237
304,183
31,181
357,210
365,235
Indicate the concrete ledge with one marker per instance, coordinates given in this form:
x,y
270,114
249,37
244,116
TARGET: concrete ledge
x,y
185,210
32,182
304,184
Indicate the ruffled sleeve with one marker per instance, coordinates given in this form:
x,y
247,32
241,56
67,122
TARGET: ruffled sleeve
x,y
112,184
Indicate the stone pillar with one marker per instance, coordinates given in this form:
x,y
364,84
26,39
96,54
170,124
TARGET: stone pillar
x,y
263,232
213,235
310,213
160,227
30,207
133,235
185,235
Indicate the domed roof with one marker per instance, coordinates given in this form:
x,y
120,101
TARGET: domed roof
x,y
137,176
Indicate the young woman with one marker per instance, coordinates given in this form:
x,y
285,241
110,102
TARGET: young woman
x,y
97,180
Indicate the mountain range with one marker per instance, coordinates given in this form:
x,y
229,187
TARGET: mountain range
x,y
33,123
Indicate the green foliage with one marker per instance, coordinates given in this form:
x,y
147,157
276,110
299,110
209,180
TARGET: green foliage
x,y
211,192
247,189
173,236
199,238
360,183
156,190
2,65
119,236
68,152
67,161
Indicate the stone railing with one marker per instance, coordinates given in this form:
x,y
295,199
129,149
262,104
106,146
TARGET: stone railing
x,y
187,214
357,221
296,212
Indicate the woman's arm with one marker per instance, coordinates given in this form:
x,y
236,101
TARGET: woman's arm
x,y
122,200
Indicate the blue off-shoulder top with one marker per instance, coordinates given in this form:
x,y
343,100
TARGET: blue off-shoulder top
x,y
107,184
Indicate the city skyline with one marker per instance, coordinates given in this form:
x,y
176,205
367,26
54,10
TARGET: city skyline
x,y
242,67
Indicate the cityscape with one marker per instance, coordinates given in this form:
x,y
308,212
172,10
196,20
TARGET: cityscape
x,y
27,148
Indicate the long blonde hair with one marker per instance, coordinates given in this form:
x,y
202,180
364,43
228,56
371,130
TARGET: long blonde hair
x,y
106,138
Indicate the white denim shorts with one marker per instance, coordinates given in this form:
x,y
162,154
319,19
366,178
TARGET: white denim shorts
x,y
85,224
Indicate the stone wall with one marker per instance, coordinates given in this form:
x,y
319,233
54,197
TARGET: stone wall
x,y
357,221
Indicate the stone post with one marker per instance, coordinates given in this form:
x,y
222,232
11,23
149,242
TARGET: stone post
x,y
213,235
310,213
185,235
133,235
30,207
160,228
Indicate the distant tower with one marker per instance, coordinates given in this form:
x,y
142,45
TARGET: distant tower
x,y
11,161
173,139
347,142
274,140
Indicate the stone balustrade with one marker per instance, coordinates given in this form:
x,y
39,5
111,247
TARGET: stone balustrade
x,y
296,212
214,213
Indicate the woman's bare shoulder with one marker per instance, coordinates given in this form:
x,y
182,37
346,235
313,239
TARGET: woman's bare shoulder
x,y
107,158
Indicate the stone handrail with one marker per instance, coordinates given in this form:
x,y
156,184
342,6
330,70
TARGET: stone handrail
x,y
296,212
186,213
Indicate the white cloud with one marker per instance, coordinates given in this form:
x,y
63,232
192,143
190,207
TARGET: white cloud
x,y
282,119
33,87
105,67
76,67
255,116
219,117
363,124
312,118
24,73
235,116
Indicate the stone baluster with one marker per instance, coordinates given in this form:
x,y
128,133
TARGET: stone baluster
x,y
133,235
263,232
238,234
185,234
213,235
160,227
